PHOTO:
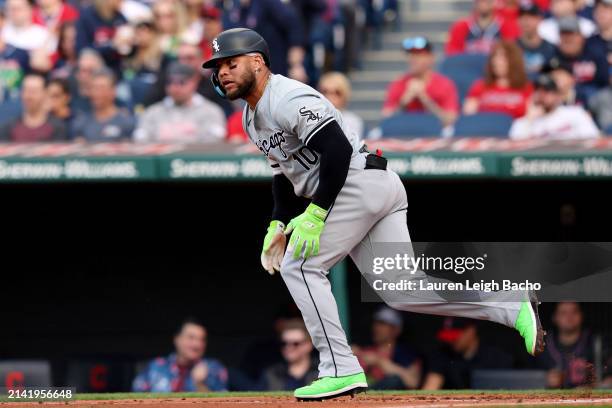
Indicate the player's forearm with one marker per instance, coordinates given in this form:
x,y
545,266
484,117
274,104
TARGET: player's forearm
x,y
335,152
286,204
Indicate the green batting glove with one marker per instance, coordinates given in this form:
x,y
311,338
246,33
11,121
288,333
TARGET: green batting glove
x,y
306,231
274,228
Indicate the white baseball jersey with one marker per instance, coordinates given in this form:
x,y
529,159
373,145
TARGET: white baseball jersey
x,y
288,115
565,122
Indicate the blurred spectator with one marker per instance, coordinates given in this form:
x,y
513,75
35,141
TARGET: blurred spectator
x,y
536,51
184,116
477,34
422,89
186,369
14,64
58,94
35,123
550,29
601,106
235,130
194,19
505,88
20,31
297,368
266,351
188,54
603,38
563,75
106,122
136,11
590,66
460,352
279,25
53,14
97,27
65,58
213,25
336,87
171,23
569,349
386,363
89,62
145,57
547,118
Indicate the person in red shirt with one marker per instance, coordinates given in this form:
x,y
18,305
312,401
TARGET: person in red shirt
x,y
422,89
505,87
477,33
53,14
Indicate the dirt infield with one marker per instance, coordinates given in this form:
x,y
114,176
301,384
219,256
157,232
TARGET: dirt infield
x,y
477,399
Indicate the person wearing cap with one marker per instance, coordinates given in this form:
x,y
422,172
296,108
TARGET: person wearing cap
x,y
547,118
422,89
603,38
459,352
563,75
477,34
387,363
505,87
189,54
550,28
589,65
184,116
313,156
536,50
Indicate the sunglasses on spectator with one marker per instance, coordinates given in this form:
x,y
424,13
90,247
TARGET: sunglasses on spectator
x,y
415,44
327,91
293,343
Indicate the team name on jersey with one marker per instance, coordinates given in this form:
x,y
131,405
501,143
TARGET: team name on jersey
x,y
315,117
273,142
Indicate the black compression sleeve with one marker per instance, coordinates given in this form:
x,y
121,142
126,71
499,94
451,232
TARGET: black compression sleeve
x,y
286,203
336,151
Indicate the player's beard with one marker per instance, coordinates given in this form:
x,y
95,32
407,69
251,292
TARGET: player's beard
x,y
248,84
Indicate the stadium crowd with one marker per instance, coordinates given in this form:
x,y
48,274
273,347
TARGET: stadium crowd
x,y
546,67
130,70
287,361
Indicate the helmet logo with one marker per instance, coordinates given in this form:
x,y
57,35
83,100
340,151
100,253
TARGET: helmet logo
x,y
215,45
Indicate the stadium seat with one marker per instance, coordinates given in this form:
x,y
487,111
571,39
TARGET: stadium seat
x,y
411,125
25,373
608,131
464,69
9,110
508,379
483,125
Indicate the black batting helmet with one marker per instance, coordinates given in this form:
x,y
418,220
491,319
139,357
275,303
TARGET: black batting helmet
x,y
230,43
237,41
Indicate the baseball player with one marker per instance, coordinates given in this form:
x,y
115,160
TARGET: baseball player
x,y
355,202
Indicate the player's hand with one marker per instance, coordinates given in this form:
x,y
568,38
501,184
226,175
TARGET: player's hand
x,y
305,231
273,247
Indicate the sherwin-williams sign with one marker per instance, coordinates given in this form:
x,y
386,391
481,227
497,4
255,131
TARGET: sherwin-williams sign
x,y
411,159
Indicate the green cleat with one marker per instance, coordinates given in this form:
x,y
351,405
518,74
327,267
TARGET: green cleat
x,y
529,326
327,387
